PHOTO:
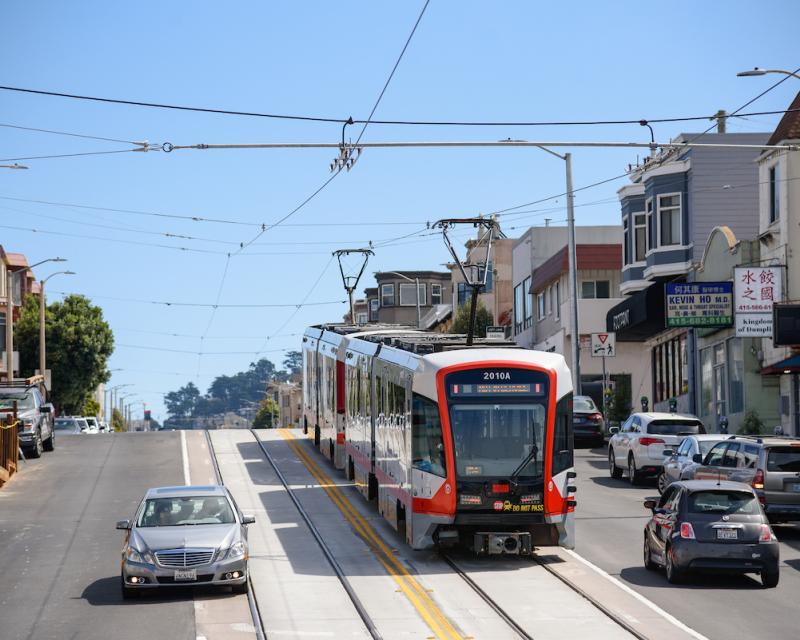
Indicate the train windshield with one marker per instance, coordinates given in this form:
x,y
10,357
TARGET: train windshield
x,y
498,420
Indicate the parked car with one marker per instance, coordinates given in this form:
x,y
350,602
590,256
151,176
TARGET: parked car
x,y
68,426
638,445
676,460
770,464
703,525
104,427
94,424
34,414
185,535
587,421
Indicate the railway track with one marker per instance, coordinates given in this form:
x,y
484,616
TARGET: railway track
x,y
251,596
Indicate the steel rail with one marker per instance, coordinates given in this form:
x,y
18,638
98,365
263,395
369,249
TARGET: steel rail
x,y
255,612
593,601
360,609
487,598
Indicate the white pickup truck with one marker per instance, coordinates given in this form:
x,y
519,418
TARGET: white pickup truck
x,y
638,445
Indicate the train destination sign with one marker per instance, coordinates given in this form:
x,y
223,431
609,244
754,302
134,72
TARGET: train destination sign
x,y
500,389
699,304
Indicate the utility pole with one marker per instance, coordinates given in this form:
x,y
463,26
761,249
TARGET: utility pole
x,y
10,327
351,282
573,279
474,280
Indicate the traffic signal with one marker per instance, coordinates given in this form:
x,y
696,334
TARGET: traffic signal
x,y
147,414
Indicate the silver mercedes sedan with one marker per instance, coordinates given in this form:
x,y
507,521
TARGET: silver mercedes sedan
x,y
185,536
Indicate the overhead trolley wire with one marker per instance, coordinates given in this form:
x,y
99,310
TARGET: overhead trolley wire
x,y
208,305
63,133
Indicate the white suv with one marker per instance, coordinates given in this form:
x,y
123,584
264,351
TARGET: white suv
x,y
639,444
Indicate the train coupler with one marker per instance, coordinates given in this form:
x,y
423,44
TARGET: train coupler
x,y
500,543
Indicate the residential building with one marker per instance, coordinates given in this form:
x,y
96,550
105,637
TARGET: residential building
x,y
779,237
23,284
497,295
361,311
397,303
668,211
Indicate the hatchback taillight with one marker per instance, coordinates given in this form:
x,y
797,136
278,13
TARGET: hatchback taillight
x,y
596,417
646,441
758,480
766,534
687,531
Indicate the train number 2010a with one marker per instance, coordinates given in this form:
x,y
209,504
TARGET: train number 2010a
x,y
496,375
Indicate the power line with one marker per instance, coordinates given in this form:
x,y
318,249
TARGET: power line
x,y
438,123
204,304
64,133
68,155
199,353
195,335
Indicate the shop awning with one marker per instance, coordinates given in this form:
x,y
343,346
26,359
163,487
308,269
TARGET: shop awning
x,y
789,365
640,316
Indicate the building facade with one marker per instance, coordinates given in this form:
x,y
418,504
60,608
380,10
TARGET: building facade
x,y
395,301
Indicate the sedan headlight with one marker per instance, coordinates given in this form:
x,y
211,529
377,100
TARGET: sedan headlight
x,y
236,550
27,424
142,557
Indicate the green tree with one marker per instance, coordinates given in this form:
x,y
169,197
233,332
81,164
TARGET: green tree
x,y
79,343
752,424
293,362
182,403
117,421
267,408
91,407
483,319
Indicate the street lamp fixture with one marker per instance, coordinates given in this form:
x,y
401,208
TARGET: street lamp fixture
x,y
762,72
42,324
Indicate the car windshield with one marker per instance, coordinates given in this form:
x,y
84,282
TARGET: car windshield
x,y
177,512
675,427
784,459
724,502
65,424
581,403
705,445
82,423
23,400
495,439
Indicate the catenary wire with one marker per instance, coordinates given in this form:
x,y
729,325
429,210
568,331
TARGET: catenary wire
x,y
63,133
207,305
68,155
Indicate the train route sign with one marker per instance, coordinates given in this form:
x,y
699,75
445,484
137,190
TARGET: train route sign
x,y
604,345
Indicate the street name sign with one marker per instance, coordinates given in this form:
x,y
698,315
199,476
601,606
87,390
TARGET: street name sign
x,y
495,334
604,345
699,304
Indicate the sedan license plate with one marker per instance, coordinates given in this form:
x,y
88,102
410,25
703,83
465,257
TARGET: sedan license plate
x,y
185,575
727,534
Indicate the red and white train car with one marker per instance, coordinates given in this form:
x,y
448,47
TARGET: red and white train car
x,y
460,445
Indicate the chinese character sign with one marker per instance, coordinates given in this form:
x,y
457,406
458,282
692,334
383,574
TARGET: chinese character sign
x,y
756,288
699,304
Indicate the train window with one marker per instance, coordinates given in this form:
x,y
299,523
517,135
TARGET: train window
x,y
427,441
562,436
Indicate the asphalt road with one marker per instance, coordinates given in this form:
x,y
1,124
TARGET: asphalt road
x,y
60,552
609,529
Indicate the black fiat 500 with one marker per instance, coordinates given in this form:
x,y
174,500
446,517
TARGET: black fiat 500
x,y
708,525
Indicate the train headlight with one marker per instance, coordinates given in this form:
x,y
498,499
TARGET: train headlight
x,y
469,499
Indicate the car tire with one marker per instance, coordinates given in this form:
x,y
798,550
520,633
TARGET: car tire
x,y
633,475
648,555
675,575
613,470
661,483
770,577
239,589
36,450
50,443
127,592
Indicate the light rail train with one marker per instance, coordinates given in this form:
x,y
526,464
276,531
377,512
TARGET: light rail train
x,y
460,445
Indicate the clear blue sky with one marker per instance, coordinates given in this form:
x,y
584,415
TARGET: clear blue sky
x,y
468,60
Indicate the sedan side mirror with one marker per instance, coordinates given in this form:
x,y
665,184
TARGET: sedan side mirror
x,y
650,503
248,519
669,452
123,524
698,458
613,430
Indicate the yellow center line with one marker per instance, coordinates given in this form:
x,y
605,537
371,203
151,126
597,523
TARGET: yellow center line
x,y
414,591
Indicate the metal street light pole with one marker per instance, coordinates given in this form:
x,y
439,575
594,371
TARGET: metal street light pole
x,y
763,72
42,347
573,278
416,284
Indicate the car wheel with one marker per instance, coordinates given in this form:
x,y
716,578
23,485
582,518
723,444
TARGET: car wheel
x,y
675,574
127,592
770,577
239,589
633,475
50,443
613,469
662,483
648,555
37,448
